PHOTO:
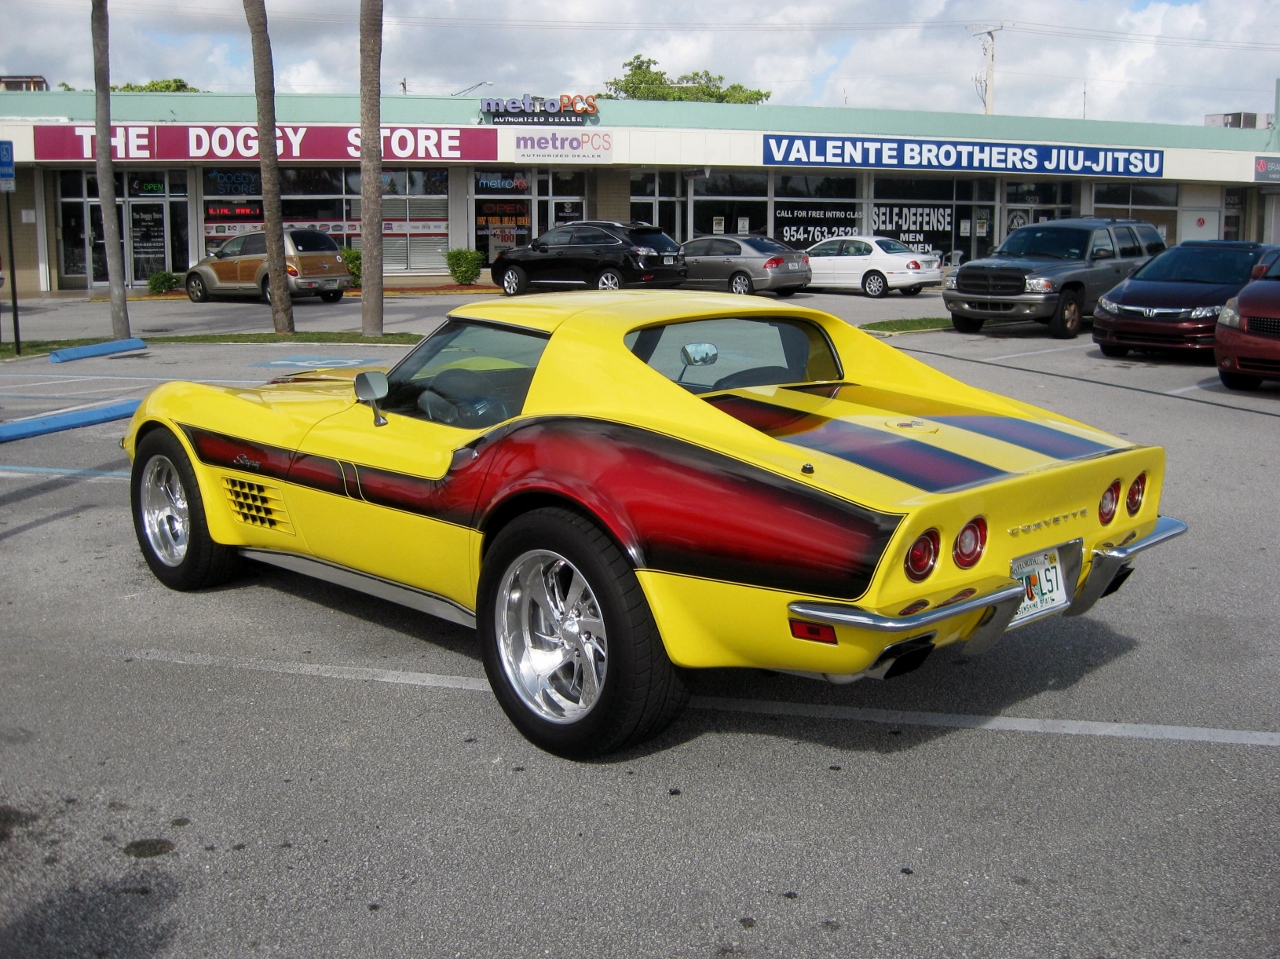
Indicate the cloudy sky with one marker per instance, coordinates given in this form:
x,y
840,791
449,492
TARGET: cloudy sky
x,y
1107,59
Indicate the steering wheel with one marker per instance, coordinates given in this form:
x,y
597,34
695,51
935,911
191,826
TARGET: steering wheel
x,y
755,376
463,398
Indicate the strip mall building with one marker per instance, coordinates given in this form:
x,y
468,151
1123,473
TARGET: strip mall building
x,y
493,173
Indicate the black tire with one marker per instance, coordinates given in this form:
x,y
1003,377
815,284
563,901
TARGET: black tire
x,y
642,691
741,284
331,296
513,281
911,290
875,285
788,291
178,549
966,324
197,292
1239,381
609,279
1065,324
1113,350
266,288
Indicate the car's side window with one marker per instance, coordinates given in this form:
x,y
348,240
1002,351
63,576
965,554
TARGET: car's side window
x,y
725,248
697,248
826,248
467,374
255,244
591,236
1129,246
857,248
1102,243
731,352
1150,239
232,247
561,236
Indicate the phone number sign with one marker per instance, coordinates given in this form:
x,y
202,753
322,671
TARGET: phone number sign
x,y
877,153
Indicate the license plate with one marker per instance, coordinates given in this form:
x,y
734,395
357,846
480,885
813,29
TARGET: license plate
x,y
1041,577
668,260
793,266
328,284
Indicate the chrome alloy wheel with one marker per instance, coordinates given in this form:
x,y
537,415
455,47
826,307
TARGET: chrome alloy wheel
x,y
511,283
609,281
551,636
164,510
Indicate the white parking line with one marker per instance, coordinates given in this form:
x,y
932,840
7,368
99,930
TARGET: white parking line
x,y
1185,389
1060,349
1058,727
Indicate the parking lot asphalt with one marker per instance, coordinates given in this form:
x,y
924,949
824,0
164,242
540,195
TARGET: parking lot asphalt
x,y
321,773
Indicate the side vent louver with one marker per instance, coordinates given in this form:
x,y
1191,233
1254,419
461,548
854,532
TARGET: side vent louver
x,y
257,505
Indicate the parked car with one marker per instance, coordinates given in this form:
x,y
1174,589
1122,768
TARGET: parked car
x,y
1050,272
612,487
601,254
313,262
1172,302
873,264
745,264
1246,341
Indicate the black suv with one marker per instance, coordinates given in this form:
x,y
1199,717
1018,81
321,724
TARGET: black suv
x,y
1052,272
600,254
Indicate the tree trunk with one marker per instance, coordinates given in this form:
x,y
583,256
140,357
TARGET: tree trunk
x,y
371,167
264,85
107,169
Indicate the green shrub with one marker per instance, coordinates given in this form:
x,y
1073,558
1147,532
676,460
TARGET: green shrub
x,y
353,265
162,282
464,265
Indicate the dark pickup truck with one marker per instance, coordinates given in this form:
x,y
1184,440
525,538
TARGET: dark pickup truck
x,y
1052,272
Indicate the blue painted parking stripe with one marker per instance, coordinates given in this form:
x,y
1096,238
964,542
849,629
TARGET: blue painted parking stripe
x,y
67,421
96,349
56,471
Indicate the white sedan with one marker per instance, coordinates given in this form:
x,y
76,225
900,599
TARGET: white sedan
x,y
874,264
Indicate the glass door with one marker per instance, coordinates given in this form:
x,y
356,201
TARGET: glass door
x,y
147,244
98,243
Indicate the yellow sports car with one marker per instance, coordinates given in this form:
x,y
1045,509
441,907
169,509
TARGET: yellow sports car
x,y
613,488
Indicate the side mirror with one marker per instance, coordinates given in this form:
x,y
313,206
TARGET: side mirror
x,y
699,354
539,247
1102,254
1132,270
370,388
1259,271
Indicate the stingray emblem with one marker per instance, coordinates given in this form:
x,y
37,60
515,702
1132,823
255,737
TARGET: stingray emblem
x,y
1048,521
242,460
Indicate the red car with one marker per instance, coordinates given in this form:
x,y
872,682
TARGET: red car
x,y
1246,341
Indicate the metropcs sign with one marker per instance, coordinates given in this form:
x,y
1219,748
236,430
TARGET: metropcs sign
x,y
969,156
240,142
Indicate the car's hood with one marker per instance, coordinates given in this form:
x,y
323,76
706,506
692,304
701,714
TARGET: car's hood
x,y
1136,292
1020,264
932,445
1261,298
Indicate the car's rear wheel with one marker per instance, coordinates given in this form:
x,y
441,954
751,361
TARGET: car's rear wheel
x,y
741,284
331,296
875,285
1113,350
1239,381
514,281
911,290
609,280
570,646
197,292
966,324
788,291
1065,324
169,517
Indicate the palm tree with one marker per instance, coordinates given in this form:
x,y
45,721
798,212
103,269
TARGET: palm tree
x,y
264,85
107,170
370,167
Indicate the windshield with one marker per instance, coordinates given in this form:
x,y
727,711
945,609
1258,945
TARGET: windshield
x,y
308,241
892,246
1058,242
1200,264
732,352
655,239
1274,272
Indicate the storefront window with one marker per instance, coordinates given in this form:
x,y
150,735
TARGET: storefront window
x,y
904,188
1156,203
820,187
503,210
146,183
732,184
657,198
310,181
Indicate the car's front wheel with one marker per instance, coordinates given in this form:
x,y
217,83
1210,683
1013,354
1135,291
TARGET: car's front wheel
x,y
911,290
966,324
169,517
1065,324
1239,381
609,280
875,285
570,646
1113,350
514,281
197,292
741,284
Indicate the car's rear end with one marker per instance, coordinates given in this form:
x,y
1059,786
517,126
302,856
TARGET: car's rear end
x,y
315,265
653,259
775,266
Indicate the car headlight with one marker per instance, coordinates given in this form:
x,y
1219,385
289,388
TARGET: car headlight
x,y
1229,315
1039,284
1204,312
950,282
1108,305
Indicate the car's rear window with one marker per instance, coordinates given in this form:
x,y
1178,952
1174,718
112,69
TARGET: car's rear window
x,y
654,238
1200,264
1062,243
732,352
892,246
762,244
309,241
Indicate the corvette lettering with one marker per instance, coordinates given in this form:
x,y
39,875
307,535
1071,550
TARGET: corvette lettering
x,y
1050,521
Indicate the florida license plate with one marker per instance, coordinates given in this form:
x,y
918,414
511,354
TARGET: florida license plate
x,y
328,284
793,266
1044,589
668,261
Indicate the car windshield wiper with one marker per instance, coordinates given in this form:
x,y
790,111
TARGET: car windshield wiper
x,y
1056,256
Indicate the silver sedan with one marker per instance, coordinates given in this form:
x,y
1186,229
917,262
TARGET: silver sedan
x,y
745,264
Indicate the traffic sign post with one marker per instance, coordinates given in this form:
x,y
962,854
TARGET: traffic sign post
x,y
7,180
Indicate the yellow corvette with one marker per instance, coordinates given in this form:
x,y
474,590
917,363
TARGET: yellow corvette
x,y
615,487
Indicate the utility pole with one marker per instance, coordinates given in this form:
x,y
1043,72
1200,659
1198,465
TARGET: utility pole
x,y
986,82
404,86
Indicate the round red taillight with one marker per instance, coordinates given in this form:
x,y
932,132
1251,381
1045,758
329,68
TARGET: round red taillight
x,y
1137,490
913,265
922,556
1109,502
970,543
